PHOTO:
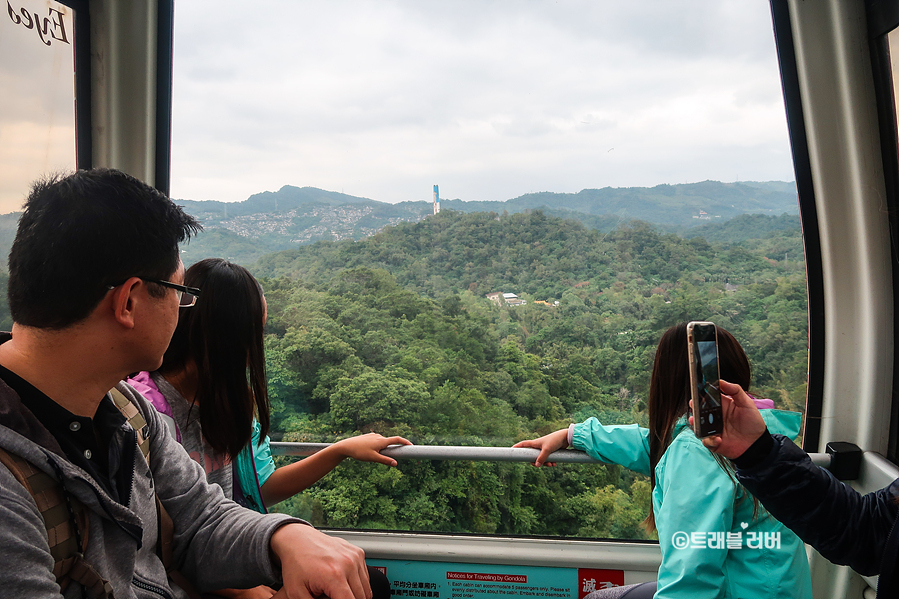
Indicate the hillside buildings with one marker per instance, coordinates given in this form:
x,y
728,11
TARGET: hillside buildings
x,y
509,299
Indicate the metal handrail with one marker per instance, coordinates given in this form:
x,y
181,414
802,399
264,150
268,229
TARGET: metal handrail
x,y
474,454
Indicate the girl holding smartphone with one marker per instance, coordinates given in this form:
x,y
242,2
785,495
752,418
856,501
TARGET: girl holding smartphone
x,y
698,508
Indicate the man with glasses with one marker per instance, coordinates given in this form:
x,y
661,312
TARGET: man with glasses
x,y
187,296
95,285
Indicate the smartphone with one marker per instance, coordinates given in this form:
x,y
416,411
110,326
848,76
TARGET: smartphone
x,y
702,346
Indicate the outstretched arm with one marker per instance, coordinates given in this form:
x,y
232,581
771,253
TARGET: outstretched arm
x,y
289,480
627,444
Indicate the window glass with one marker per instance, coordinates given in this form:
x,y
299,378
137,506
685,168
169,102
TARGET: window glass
x,y
37,106
644,154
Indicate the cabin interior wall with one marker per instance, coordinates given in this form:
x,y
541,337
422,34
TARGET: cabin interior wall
x,y
123,90
840,113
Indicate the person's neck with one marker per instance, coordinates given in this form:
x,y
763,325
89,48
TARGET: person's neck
x,y
184,380
68,366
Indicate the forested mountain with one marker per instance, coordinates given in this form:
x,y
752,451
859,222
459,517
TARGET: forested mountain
x,y
8,224
286,198
394,334
530,253
657,204
679,205
748,228
292,216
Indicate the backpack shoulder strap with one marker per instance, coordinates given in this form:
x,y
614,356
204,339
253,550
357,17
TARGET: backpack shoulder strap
x,y
135,419
166,534
66,523
50,502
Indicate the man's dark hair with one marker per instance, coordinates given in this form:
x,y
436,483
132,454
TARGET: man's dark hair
x,y
83,232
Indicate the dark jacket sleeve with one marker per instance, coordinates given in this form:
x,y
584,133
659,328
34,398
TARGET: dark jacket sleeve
x,y
844,526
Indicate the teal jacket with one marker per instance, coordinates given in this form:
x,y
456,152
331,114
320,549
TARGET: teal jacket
x,y
693,499
253,467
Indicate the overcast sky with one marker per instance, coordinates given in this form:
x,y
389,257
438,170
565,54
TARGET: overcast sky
x,y
489,99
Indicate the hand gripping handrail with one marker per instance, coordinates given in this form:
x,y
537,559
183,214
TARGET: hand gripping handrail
x,y
475,454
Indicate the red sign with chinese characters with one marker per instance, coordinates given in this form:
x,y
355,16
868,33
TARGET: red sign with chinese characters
x,y
590,579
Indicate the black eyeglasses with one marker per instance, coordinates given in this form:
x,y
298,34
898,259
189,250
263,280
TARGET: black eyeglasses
x,y
187,296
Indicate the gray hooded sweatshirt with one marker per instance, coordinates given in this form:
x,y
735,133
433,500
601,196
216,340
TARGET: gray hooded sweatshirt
x,y
217,543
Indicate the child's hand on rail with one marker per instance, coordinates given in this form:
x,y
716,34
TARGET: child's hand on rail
x,y
547,445
366,448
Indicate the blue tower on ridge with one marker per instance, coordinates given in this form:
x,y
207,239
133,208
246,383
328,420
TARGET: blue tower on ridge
x,y
436,200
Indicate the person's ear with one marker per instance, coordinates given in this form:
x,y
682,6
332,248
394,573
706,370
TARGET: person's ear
x,y
124,300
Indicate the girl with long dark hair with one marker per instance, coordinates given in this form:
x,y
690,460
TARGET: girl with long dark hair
x,y
700,511
211,389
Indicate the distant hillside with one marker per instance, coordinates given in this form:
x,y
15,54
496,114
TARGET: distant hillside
x,y
746,227
285,199
684,205
776,237
8,224
293,216
680,204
